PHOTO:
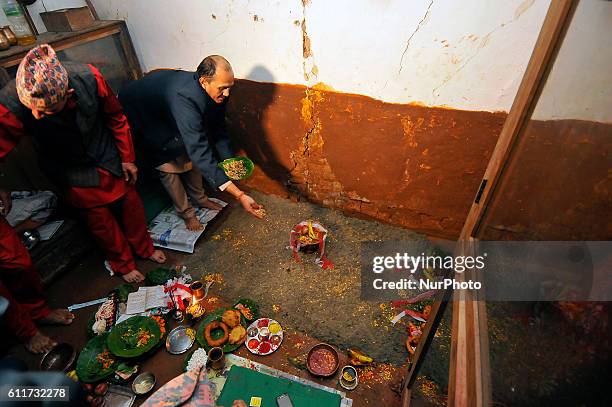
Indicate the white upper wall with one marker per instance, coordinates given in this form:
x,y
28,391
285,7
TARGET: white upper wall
x,y
468,54
180,33
580,84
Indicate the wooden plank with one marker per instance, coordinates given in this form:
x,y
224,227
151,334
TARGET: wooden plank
x,y
539,62
64,43
94,13
469,374
435,316
18,52
469,377
28,17
130,53
406,397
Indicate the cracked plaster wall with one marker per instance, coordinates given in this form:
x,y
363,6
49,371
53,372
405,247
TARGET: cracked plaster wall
x,y
465,55
389,109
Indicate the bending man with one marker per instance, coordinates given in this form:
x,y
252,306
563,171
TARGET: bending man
x,y
180,116
83,141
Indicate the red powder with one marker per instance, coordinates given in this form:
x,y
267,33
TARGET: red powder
x,y
264,347
322,362
253,344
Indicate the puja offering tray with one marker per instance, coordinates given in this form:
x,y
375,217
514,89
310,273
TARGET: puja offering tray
x,y
264,336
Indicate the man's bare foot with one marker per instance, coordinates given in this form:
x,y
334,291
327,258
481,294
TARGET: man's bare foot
x,y
207,203
133,276
58,317
158,257
193,224
39,343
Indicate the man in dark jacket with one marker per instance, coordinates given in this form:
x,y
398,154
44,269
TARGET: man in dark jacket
x,y
180,117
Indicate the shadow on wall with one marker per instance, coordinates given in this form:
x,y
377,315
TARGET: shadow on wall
x,y
248,120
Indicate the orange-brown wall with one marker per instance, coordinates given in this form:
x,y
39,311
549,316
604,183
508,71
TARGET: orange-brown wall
x,y
420,167
414,166
559,186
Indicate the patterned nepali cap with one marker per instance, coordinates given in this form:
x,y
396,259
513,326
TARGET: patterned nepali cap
x,y
42,81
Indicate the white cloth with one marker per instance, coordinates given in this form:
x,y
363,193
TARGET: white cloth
x,y
35,205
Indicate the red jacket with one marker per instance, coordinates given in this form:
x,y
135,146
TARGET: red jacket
x,y
110,188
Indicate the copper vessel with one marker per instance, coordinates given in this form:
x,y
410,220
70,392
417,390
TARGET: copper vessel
x,y
197,290
9,34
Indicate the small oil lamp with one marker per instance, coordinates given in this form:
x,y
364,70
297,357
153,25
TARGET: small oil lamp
x,y
195,309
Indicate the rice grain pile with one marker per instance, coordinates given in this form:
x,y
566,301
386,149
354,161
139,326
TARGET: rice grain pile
x,y
235,169
198,359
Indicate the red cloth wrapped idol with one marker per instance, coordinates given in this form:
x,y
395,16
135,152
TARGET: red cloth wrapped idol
x,y
309,234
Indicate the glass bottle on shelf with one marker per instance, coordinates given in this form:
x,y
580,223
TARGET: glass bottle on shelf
x,y
4,42
14,13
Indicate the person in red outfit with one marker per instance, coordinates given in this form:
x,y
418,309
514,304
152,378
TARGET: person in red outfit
x,y
84,144
20,285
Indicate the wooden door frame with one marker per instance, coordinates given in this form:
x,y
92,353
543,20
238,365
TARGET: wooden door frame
x,y
469,373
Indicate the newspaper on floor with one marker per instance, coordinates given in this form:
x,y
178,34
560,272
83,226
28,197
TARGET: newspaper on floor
x,y
168,230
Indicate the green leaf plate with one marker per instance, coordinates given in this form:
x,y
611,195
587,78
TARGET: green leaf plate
x,y
124,346
88,368
248,164
159,276
250,304
216,334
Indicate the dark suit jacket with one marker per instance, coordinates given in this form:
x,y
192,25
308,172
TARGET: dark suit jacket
x,y
172,115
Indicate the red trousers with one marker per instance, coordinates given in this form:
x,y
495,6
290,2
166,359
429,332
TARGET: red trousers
x,y
20,285
120,228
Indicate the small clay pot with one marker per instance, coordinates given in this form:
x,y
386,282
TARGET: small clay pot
x,y
10,35
4,42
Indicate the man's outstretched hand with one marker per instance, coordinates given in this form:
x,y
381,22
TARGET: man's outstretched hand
x,y
7,203
250,206
130,172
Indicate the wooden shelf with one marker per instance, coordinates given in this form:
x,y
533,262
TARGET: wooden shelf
x,y
61,40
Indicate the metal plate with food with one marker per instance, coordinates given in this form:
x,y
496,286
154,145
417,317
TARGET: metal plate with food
x,y
95,362
119,396
180,339
264,336
134,337
222,328
143,383
322,360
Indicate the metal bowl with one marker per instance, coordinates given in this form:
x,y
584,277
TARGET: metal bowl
x,y
143,383
178,341
313,370
352,372
61,358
